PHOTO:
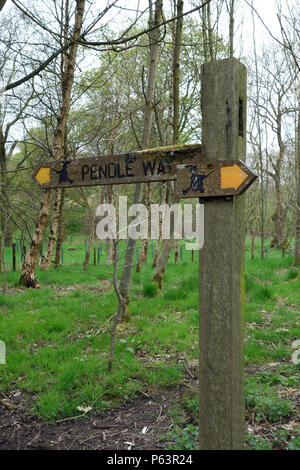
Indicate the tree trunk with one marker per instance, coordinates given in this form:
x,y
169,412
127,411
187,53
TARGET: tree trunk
x,y
4,202
169,244
28,270
176,253
61,230
68,66
158,244
279,239
53,230
297,232
141,255
148,116
90,244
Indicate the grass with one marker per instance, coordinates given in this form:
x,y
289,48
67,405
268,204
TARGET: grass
x,y
57,341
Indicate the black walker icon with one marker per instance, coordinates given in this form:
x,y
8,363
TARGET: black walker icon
x,y
63,174
196,180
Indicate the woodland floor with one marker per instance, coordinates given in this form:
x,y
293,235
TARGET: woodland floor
x,y
136,425
56,392
141,424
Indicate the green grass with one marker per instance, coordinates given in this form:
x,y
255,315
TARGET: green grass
x,y
57,339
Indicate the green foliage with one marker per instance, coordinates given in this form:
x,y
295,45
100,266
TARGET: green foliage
x,y
258,443
191,283
55,350
294,444
266,405
262,293
175,294
150,289
292,274
185,439
74,224
273,409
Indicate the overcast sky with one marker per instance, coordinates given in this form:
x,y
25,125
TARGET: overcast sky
x,y
267,9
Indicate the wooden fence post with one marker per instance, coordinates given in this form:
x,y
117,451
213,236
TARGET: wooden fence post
x,y
221,265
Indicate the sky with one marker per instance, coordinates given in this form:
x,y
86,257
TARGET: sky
x,y
267,10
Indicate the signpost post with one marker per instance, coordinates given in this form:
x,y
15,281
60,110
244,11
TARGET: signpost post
x,y
221,265
215,173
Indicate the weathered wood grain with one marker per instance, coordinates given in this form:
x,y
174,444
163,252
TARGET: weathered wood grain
x,y
218,178
142,166
221,265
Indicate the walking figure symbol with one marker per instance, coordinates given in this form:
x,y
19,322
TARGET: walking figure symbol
x,y
63,174
196,180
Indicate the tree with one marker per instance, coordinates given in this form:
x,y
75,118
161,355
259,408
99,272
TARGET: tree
x,y
154,38
28,271
175,98
290,31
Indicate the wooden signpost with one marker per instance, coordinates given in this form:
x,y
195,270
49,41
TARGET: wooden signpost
x,y
136,167
194,177
214,172
212,179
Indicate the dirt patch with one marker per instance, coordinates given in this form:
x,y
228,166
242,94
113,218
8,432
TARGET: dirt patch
x,y
136,425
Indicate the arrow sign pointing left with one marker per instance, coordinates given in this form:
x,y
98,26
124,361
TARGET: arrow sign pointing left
x,y
213,179
42,175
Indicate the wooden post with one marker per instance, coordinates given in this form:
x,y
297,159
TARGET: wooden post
x,y
221,265
14,246
94,256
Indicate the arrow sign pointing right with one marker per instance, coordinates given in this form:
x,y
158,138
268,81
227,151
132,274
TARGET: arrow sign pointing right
x,y
213,179
232,177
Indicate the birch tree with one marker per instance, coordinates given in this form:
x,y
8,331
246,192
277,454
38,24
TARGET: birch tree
x,y
28,270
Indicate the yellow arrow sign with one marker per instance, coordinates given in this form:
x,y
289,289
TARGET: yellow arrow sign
x,y
232,177
43,175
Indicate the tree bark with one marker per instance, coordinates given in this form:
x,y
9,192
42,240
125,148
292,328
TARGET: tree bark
x,y
169,244
29,266
90,244
61,230
3,195
297,232
148,117
28,270
53,230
